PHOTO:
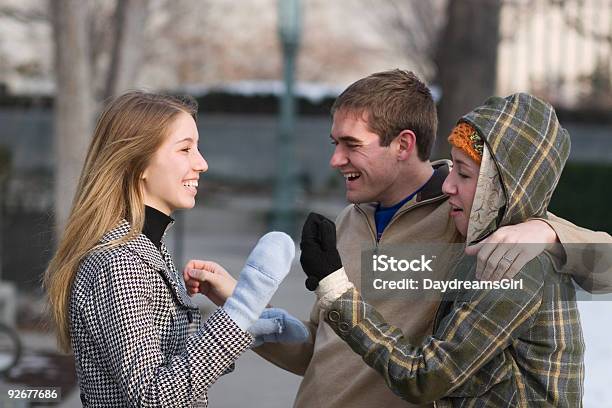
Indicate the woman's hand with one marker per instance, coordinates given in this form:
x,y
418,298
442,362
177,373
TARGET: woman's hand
x,y
503,254
210,279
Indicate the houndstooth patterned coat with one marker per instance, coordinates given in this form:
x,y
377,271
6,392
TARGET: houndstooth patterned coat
x,y
136,335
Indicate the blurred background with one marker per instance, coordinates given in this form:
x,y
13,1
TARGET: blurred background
x,y
265,73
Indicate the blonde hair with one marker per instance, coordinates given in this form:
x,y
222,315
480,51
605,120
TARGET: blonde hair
x,y
128,133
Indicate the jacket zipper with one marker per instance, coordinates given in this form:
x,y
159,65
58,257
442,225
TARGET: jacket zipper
x,y
372,230
397,214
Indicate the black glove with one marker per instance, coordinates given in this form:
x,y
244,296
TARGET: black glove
x,y
319,254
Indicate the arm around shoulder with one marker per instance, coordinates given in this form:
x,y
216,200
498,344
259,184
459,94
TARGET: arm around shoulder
x,y
587,254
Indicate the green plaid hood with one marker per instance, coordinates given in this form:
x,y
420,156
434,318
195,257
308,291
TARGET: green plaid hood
x,y
529,149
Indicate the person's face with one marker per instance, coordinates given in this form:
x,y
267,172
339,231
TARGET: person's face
x,y
170,180
369,169
460,185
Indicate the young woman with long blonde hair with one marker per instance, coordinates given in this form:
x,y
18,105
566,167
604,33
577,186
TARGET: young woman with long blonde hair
x,y
115,295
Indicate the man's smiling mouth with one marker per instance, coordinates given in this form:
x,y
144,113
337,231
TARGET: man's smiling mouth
x,y
351,176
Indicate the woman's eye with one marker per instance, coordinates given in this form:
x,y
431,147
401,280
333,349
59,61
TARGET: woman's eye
x,y
465,176
187,149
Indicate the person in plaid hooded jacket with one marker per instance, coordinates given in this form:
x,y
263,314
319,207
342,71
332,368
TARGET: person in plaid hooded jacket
x,y
490,347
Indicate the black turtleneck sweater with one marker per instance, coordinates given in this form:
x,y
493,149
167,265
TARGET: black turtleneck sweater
x,y
155,225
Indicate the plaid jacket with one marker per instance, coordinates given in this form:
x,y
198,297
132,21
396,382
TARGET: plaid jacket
x,y
490,348
136,335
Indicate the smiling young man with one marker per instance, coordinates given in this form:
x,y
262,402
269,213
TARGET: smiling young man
x,y
384,127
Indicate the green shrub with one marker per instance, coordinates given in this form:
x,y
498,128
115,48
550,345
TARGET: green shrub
x,y
584,196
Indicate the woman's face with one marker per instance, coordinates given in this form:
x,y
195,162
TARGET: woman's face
x,y
460,185
170,180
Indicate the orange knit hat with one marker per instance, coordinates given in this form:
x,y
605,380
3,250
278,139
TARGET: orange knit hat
x,y
465,137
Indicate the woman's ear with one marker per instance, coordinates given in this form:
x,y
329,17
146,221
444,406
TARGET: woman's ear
x,y
406,142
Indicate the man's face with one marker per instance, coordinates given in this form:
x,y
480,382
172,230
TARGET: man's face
x,y
370,170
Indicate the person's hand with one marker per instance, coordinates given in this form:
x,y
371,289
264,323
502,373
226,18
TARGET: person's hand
x,y
278,326
210,279
503,254
265,268
319,254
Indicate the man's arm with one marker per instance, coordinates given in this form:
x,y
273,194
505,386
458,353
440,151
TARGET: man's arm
x,y
294,358
584,254
506,251
589,264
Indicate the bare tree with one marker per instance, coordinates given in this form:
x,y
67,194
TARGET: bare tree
x,y
23,15
413,26
74,100
130,18
466,62
454,44
75,29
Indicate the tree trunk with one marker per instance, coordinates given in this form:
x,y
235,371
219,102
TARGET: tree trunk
x,y
466,60
130,18
73,106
